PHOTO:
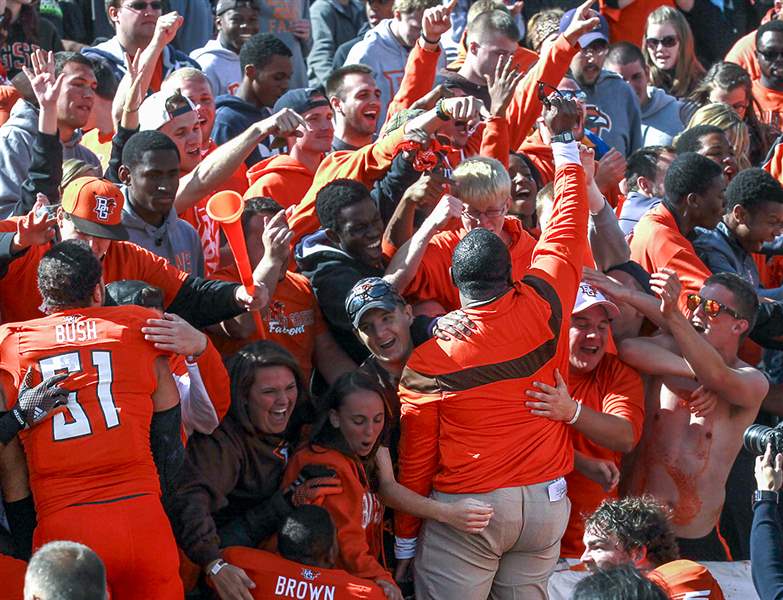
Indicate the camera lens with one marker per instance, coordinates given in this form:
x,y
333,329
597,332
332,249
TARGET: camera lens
x,y
757,437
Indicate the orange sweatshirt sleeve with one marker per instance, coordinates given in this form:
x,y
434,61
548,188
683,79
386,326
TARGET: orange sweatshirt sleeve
x,y
495,141
560,252
365,164
525,107
418,79
419,456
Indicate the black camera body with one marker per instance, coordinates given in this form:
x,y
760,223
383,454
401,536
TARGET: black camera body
x,y
756,438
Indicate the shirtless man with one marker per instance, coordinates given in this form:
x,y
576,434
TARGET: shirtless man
x,y
687,449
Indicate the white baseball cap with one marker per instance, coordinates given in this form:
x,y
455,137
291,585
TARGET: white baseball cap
x,y
588,296
155,111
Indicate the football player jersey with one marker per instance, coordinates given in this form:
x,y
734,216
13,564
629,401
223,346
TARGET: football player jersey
x,y
276,577
98,447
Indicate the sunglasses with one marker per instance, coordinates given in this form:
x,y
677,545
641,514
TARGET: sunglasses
x,y
368,292
771,55
141,6
573,95
668,41
712,308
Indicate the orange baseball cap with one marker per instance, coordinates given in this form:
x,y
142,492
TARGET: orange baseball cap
x,y
94,205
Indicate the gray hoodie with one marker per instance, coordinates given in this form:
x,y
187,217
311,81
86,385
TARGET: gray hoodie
x,y
613,112
220,65
660,118
634,208
16,153
274,18
175,240
386,56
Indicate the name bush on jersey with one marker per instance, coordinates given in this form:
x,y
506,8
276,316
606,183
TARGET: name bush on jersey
x,y
75,329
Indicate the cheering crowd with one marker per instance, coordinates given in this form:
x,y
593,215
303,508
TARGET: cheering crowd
x,y
366,299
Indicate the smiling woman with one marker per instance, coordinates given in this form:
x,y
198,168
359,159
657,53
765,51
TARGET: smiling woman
x,y
670,53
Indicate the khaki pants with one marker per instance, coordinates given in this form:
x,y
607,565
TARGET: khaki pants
x,y
511,559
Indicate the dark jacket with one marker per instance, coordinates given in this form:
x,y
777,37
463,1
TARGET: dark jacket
x,y
332,273
766,551
332,24
232,117
227,474
17,49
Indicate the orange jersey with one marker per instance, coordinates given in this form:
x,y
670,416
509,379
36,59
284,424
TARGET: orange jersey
x,y
628,24
282,178
12,573
357,513
207,229
433,277
770,105
656,242
276,577
465,427
98,447
19,297
684,579
541,155
293,319
616,389
365,164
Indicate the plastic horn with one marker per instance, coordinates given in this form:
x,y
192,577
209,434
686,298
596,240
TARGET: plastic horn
x,y
226,208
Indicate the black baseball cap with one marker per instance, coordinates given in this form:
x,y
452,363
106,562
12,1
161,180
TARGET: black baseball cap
x,y
369,293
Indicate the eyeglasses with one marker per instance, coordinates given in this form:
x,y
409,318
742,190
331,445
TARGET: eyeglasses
x,y
475,215
140,6
667,41
770,55
573,95
595,49
712,308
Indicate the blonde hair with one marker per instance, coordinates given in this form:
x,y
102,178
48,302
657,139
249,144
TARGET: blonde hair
x,y
480,180
176,78
688,71
540,26
73,168
723,116
482,6
409,6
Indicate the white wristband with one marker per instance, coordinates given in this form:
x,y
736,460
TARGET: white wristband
x,y
565,153
576,414
404,548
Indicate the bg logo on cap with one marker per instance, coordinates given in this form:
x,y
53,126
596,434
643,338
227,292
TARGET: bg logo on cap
x,y
104,207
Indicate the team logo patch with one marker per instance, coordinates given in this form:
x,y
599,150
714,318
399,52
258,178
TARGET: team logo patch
x,y
596,120
104,207
310,574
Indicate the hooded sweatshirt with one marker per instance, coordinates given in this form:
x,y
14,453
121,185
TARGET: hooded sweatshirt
x,y
281,178
232,117
332,273
275,17
16,153
634,208
661,119
175,240
220,65
613,112
386,56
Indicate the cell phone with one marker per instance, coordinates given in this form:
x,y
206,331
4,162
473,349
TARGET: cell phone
x,y
50,210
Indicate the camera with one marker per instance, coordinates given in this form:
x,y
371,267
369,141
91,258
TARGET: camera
x,y
756,438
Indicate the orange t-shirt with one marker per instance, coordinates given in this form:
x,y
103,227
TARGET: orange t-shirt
x,y
656,242
293,319
276,577
98,447
433,277
208,230
20,299
464,424
743,52
357,513
770,104
683,579
12,572
628,24
616,389
281,178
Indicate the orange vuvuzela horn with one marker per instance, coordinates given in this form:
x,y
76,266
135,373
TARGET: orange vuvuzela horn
x,y
226,208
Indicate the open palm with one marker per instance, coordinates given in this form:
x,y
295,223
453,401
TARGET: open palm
x,y
46,86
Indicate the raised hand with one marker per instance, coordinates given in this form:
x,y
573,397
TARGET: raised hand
x,y
585,20
284,123
560,114
300,29
46,86
667,286
464,108
436,21
447,208
587,158
610,171
36,228
277,238
427,190
166,28
502,85
454,324
174,334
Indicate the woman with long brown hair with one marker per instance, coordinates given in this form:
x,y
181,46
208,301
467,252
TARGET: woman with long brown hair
x,y
669,52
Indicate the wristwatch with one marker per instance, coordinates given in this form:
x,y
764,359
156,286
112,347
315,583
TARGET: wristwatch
x,y
217,567
564,137
440,112
759,495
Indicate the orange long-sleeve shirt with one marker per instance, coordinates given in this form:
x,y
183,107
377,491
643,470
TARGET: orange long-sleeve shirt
x,y
365,164
433,277
616,389
627,24
465,426
357,513
656,242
